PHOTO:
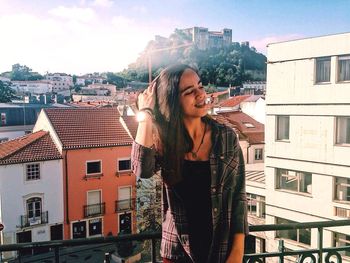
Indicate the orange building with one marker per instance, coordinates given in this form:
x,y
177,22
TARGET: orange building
x,y
99,188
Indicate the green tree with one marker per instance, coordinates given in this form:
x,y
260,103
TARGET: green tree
x,y
115,79
22,73
6,92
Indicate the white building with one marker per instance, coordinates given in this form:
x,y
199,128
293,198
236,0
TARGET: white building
x,y
254,87
308,138
60,81
31,190
36,87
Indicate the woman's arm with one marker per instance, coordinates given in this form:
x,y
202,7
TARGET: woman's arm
x,y
237,250
143,155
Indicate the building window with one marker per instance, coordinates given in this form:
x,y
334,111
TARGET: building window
x,y
258,154
248,125
282,127
342,212
344,68
3,118
34,208
256,205
341,240
293,181
323,70
93,167
343,130
298,235
33,171
124,165
342,189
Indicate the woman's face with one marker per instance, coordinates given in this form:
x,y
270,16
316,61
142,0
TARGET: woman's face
x,y
192,95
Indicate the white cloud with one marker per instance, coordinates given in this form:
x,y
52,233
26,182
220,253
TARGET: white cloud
x,y
123,23
102,3
140,9
260,44
74,13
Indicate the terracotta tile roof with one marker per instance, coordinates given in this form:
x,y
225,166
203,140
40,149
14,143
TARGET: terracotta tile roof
x,y
217,94
33,147
254,98
234,101
88,127
251,129
131,124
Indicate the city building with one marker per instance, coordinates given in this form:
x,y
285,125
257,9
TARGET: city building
x,y
250,134
31,190
99,187
308,139
110,88
253,88
60,81
35,87
252,105
204,39
18,119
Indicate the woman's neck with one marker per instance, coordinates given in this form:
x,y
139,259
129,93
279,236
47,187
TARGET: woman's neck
x,y
194,127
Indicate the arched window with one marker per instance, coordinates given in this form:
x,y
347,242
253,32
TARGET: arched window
x,y
34,207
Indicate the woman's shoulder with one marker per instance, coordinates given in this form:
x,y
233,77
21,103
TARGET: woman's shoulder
x,y
221,128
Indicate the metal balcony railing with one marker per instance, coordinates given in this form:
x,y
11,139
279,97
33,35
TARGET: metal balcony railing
x,y
124,205
319,254
94,210
27,221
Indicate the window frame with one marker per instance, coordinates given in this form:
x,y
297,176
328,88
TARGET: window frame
x,y
298,232
260,204
335,189
340,58
341,239
279,174
118,166
256,150
92,161
319,59
26,172
278,138
337,135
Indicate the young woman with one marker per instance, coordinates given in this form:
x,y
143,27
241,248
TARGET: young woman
x,y
204,199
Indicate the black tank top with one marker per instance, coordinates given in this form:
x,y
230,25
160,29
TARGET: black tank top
x,y
194,190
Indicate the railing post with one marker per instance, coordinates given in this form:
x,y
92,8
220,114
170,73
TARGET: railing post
x,y
281,249
107,258
153,247
57,255
320,244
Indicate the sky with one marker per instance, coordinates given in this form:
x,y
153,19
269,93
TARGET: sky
x,y
85,36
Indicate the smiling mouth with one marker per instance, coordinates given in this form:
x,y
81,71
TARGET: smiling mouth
x,y
200,105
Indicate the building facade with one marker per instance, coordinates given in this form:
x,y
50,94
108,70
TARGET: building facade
x,y
308,138
31,190
60,81
99,187
204,39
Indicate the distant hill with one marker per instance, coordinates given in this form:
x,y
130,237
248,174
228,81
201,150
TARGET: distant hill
x,y
218,66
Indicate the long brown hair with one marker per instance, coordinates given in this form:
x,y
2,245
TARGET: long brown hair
x,y
172,139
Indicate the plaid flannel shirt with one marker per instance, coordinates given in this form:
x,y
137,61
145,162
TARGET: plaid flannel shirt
x,y
228,197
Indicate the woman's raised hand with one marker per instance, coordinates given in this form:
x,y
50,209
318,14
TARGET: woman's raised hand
x,y
147,99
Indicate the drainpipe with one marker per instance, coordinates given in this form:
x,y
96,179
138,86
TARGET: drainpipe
x,y
66,186
248,153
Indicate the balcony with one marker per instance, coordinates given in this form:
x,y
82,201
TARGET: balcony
x,y
94,210
27,221
124,205
312,254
